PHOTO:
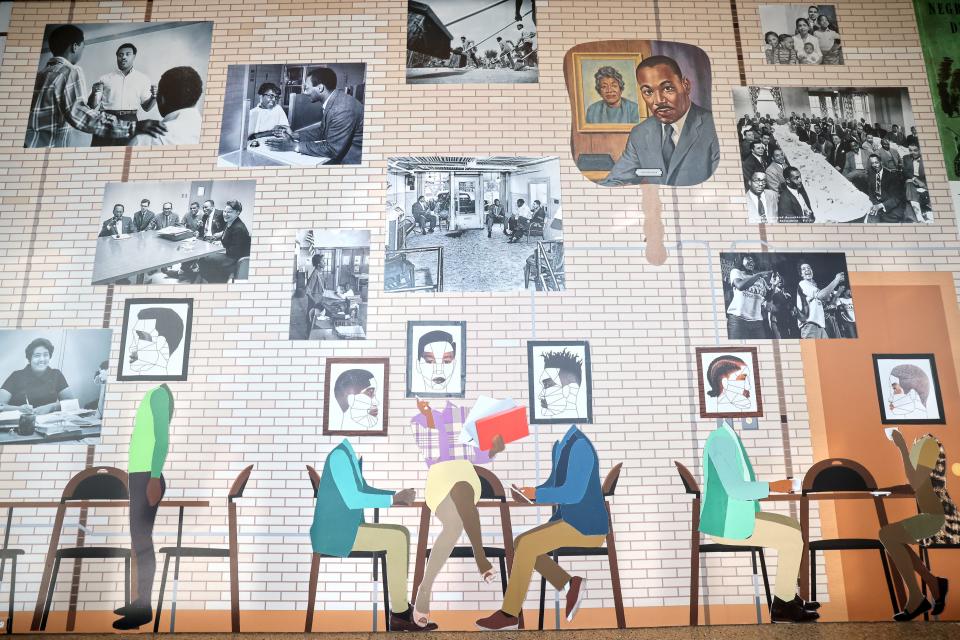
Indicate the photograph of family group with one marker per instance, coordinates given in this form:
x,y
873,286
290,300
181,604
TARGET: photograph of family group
x,y
800,34
831,155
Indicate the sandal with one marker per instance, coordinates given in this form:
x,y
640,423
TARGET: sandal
x,y
490,575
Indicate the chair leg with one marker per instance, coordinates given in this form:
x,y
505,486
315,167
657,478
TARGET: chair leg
x,y
503,574
49,603
925,559
543,601
13,590
126,580
756,586
312,593
813,575
766,579
386,593
889,579
163,586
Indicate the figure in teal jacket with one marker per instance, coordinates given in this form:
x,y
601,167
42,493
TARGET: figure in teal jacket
x,y
339,528
731,515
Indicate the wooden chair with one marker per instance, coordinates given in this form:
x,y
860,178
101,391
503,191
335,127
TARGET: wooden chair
x,y
94,483
692,488
609,550
379,559
231,552
842,474
241,271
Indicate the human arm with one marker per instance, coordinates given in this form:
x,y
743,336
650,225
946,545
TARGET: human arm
x,y
580,467
355,495
918,475
5,399
149,99
624,171
338,134
824,294
161,408
743,282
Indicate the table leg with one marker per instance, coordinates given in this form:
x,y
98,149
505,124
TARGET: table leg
x,y
420,562
6,540
176,572
47,569
805,562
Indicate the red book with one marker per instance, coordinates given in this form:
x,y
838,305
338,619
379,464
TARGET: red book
x,y
511,424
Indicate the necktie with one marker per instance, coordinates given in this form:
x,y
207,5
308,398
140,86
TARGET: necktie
x,y
761,209
668,146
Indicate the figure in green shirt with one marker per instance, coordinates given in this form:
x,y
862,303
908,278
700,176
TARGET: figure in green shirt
x,y
148,451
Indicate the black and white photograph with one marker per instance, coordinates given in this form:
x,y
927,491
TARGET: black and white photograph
x,y
293,115
777,296
54,385
155,343
908,389
175,232
559,382
120,84
331,281
355,396
830,155
729,382
461,223
801,34
436,359
472,41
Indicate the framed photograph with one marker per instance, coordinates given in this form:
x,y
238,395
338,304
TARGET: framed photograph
x,y
908,389
800,34
607,95
355,401
155,344
729,383
436,359
560,381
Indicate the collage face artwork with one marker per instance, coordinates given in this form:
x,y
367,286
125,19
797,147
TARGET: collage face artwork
x,y
728,382
436,359
560,382
155,343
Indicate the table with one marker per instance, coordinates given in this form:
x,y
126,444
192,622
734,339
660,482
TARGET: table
x,y
804,500
139,253
11,505
264,156
56,427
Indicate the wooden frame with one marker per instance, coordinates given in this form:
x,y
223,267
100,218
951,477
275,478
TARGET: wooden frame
x,y
734,351
461,357
630,80
587,381
185,344
383,408
882,387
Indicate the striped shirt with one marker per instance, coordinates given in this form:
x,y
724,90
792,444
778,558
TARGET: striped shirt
x,y
59,107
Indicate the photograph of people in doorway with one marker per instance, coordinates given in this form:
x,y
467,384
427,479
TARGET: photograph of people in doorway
x,y
460,223
471,41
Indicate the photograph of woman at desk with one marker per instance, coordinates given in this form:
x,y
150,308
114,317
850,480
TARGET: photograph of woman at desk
x,y
293,115
43,401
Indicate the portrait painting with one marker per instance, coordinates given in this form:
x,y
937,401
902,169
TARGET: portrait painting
x,y
908,389
355,398
155,344
728,382
608,98
559,382
436,359
641,112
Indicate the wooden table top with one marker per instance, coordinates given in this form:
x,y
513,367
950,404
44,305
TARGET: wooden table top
x,y
142,252
79,504
832,495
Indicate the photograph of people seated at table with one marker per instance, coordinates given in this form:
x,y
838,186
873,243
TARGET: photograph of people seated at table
x,y
812,155
54,384
299,115
147,82
331,281
171,232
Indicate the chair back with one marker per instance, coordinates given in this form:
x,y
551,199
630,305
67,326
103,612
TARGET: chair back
x,y
490,486
610,482
242,269
690,484
314,479
239,484
97,483
838,474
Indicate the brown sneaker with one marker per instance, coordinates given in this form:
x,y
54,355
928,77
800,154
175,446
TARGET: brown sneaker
x,y
576,592
499,621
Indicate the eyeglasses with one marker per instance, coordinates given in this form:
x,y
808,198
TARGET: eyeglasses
x,y
272,95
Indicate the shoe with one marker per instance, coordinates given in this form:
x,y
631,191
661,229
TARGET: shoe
x,y
790,612
134,618
576,592
940,603
405,622
498,621
126,609
907,616
809,605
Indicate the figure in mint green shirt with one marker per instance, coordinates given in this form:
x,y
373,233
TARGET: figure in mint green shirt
x,y
148,451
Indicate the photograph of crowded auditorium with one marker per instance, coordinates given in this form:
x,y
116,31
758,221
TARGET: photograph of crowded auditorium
x,y
778,296
146,85
293,115
459,223
471,41
800,34
830,155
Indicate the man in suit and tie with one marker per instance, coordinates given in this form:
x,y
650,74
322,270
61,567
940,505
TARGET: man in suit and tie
x,y
889,157
678,145
421,213
755,162
116,225
794,204
761,201
916,185
166,218
886,193
340,135
896,136
838,155
775,171
144,218
856,165
746,144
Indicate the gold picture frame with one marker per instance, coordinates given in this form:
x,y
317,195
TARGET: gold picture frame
x,y
585,66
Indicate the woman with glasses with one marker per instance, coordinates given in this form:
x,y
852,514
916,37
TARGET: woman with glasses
x,y
268,113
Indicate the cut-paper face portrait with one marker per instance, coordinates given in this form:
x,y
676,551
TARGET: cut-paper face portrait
x,y
560,384
436,360
356,392
909,390
730,384
156,335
